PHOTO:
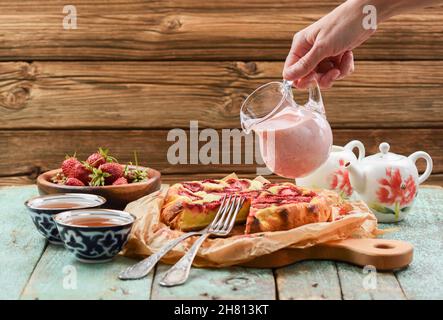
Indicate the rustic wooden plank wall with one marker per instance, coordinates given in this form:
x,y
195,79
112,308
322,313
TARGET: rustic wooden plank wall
x,y
135,69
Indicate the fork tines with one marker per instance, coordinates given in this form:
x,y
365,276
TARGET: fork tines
x,y
225,218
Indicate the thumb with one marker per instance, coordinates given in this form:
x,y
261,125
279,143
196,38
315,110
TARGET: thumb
x,y
305,64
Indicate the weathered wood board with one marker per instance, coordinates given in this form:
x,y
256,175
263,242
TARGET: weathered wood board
x,y
16,181
190,30
308,280
424,229
59,276
33,151
53,272
153,95
20,244
368,284
214,284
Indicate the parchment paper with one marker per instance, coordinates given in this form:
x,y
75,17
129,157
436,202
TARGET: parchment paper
x,y
149,234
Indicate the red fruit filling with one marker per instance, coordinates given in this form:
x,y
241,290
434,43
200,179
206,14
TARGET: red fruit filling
x,y
271,199
211,181
193,186
189,194
204,207
238,184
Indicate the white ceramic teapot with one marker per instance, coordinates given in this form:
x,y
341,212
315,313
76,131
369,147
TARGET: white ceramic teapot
x,y
388,182
333,174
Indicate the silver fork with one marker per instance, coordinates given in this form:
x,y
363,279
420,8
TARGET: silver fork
x,y
142,268
220,226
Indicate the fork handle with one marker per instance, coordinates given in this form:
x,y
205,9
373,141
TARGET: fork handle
x,y
179,273
142,268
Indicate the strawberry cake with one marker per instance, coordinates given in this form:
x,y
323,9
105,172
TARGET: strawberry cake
x,y
269,207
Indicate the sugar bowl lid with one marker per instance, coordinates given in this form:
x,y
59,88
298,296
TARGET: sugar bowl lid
x,y
384,154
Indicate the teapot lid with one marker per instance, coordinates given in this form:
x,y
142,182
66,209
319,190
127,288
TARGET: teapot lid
x,y
384,154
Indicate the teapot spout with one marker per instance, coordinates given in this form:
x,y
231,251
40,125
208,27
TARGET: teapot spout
x,y
356,176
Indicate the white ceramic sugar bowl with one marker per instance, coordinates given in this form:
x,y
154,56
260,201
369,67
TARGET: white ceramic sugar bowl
x,y
388,182
333,174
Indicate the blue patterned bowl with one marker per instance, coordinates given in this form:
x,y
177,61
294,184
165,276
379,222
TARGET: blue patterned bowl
x,y
43,208
94,235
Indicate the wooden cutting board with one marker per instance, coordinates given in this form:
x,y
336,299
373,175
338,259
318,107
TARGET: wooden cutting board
x,y
381,253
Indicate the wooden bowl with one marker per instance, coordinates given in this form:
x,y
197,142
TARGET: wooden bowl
x,y
117,196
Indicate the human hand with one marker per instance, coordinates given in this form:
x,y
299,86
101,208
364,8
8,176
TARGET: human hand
x,y
323,50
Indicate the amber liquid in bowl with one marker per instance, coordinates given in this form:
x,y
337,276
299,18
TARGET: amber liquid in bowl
x,y
62,205
94,222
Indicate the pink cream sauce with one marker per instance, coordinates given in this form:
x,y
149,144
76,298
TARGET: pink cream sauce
x,y
301,143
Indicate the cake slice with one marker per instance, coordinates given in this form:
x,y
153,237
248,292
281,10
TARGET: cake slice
x,y
268,207
285,206
193,205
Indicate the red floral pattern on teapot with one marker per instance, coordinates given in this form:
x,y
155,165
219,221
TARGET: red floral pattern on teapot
x,y
388,182
340,180
393,189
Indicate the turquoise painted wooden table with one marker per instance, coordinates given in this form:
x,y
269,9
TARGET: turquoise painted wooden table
x,y
32,269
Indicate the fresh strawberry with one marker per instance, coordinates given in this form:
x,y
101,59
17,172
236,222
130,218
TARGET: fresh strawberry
x,y
82,172
135,174
68,166
96,160
120,181
129,174
98,177
100,157
74,182
115,171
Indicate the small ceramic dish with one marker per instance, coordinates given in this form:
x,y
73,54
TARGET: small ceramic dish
x,y
117,196
94,235
43,208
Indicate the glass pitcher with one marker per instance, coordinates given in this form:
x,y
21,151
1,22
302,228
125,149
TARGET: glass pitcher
x,y
294,139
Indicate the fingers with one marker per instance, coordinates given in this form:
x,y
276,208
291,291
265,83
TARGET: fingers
x,y
299,48
305,82
328,78
346,64
305,64
293,56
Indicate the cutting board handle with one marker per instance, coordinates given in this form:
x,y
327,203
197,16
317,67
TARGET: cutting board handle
x,y
383,254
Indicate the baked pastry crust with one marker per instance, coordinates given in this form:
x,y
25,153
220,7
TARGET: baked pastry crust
x,y
193,205
286,206
269,207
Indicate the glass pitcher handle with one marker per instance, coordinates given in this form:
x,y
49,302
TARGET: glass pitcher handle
x,y
287,84
315,101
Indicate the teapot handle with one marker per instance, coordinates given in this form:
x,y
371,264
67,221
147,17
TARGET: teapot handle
x,y
356,144
421,154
